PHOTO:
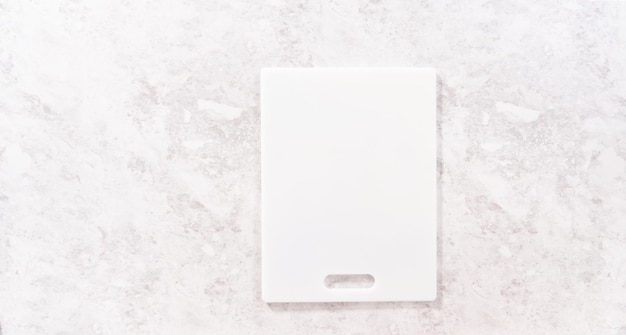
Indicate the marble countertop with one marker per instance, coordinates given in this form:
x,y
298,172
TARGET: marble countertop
x,y
130,162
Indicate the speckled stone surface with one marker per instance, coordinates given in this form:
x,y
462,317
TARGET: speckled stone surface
x,y
130,180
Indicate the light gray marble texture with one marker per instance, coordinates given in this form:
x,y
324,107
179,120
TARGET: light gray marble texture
x,y
130,162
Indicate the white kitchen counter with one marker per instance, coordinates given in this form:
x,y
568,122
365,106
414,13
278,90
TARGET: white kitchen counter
x,y
130,163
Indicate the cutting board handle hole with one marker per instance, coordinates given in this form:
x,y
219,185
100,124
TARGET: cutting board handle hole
x,y
349,281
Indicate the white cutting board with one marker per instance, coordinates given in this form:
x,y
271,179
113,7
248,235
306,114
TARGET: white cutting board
x,y
349,183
